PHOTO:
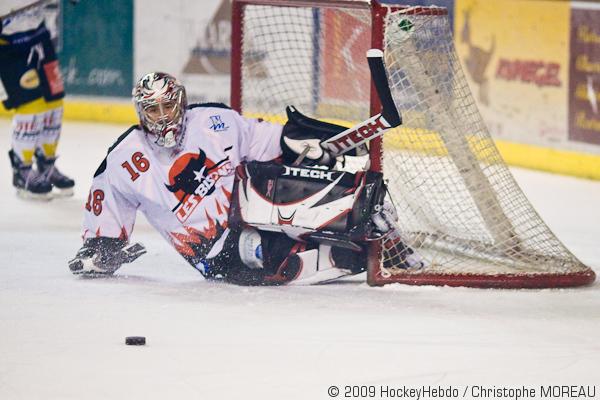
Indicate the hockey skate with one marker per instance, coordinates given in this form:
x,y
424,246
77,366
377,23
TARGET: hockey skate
x,y
62,184
30,184
401,255
397,252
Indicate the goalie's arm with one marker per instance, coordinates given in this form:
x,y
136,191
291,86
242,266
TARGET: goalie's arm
x,y
109,218
376,125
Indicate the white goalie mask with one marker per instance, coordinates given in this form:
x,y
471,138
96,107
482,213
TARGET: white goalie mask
x,y
160,103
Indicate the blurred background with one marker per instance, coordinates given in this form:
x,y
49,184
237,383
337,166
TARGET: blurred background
x,y
533,66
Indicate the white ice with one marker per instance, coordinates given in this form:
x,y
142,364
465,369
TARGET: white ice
x,y
62,337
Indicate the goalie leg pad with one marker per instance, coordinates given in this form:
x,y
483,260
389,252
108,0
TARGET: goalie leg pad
x,y
353,261
303,265
268,258
250,258
320,266
309,204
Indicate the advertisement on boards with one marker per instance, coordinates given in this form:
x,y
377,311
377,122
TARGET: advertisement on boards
x,y
515,57
193,44
584,87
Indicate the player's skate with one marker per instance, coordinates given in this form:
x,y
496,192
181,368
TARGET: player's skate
x,y
63,184
398,253
30,184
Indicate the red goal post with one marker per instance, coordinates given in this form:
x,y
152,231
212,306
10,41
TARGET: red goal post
x,y
459,207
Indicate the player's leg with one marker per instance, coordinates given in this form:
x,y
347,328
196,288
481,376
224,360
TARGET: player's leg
x,y
27,125
252,258
45,151
282,260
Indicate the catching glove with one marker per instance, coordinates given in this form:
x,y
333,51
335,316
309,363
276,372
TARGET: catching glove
x,y
302,137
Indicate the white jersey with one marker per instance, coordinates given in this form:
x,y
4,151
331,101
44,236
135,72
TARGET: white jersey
x,y
184,193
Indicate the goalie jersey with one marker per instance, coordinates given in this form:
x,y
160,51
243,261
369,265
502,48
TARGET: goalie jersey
x,y
184,193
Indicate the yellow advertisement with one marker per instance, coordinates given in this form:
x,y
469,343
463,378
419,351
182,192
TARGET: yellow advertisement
x,y
584,115
515,55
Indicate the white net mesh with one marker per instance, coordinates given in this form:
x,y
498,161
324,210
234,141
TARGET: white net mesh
x,y
459,207
306,57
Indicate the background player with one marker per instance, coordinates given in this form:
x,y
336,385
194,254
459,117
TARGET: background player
x,y
30,76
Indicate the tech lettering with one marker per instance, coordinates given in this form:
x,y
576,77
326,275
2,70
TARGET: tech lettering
x,y
364,132
308,173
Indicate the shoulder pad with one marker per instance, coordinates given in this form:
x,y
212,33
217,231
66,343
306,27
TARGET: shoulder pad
x,y
102,166
215,105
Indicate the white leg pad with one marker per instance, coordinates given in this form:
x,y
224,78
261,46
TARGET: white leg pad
x,y
317,267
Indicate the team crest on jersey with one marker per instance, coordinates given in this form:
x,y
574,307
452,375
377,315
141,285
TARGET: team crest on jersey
x,y
217,124
192,177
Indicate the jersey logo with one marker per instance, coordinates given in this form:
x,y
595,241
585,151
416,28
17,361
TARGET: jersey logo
x,y
30,79
193,177
217,124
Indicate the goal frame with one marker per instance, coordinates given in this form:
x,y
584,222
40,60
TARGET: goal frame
x,y
378,13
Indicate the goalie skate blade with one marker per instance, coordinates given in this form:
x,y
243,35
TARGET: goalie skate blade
x,y
27,195
135,340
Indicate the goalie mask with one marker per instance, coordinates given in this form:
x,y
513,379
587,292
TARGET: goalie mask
x,y
160,103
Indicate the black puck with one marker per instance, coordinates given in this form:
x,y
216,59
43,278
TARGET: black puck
x,y
135,340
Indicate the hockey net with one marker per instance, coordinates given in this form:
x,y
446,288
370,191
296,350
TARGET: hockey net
x,y
458,204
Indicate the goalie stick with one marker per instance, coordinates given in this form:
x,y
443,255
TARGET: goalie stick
x,y
377,124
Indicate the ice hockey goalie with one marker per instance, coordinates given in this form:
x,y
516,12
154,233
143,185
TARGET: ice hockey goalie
x,y
241,200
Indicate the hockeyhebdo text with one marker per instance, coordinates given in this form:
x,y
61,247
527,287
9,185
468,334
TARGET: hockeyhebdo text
x,y
464,392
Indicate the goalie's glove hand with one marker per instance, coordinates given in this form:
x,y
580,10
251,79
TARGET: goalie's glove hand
x,y
104,255
305,152
385,217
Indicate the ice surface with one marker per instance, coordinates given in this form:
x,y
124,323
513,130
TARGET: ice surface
x,y
62,337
